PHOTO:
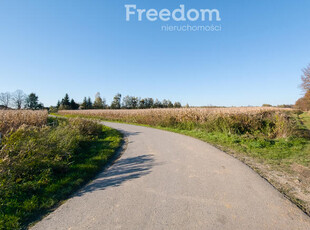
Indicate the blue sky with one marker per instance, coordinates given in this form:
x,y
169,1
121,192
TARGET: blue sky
x,y
53,47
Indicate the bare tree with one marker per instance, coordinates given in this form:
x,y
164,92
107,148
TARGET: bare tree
x,y
19,98
305,85
5,99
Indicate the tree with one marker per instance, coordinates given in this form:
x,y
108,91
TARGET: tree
x,y
141,103
68,104
126,102
130,102
305,85
177,105
134,102
66,101
84,104
98,103
5,99
157,104
58,104
74,105
149,102
104,103
89,103
165,103
170,105
116,103
32,102
19,98
304,102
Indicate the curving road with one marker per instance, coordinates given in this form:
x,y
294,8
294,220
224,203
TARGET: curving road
x,y
169,181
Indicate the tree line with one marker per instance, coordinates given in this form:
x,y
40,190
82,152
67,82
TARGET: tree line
x,y
20,100
127,102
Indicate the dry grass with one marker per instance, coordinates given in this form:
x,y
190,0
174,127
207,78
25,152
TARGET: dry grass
x,y
271,122
13,119
184,114
270,140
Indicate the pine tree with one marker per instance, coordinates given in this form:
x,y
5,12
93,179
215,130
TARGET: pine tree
x,y
58,104
32,102
89,103
74,105
84,104
66,101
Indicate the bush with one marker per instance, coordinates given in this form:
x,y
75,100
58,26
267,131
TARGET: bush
x,y
35,160
85,127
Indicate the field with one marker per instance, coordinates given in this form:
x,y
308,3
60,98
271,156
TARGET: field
x,y
12,119
268,122
42,164
275,142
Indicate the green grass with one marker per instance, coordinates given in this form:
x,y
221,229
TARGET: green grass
x,y
48,174
279,151
306,119
278,154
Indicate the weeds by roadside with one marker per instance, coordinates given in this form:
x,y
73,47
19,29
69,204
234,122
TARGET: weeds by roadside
x,y
40,166
275,143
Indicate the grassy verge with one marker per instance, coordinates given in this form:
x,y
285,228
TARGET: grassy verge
x,y
284,162
41,166
306,119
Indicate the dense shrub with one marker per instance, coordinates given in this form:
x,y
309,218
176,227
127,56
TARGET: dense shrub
x,y
266,124
39,166
85,127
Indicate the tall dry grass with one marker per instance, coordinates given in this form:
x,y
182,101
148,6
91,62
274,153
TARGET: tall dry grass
x,y
13,119
268,122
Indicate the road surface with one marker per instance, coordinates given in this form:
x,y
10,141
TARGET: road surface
x,y
165,180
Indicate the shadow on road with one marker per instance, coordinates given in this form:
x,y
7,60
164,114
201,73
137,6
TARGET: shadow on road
x,y
123,170
126,133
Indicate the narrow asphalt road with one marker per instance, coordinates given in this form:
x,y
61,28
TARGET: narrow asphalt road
x,y
169,181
